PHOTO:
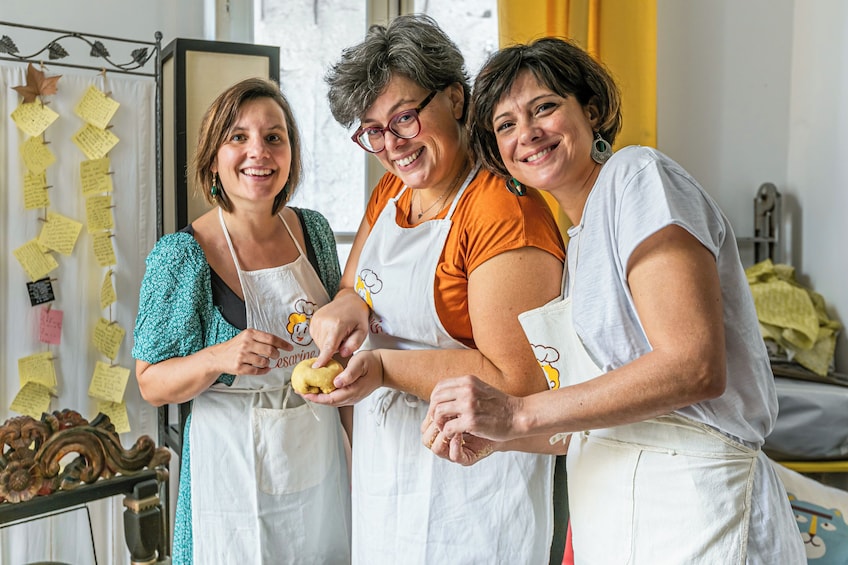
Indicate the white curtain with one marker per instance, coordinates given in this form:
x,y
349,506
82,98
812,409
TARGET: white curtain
x,y
67,537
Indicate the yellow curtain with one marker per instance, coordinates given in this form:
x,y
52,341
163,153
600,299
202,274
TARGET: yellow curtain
x,y
620,33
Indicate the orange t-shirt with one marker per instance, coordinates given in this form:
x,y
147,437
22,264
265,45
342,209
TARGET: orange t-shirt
x,y
488,220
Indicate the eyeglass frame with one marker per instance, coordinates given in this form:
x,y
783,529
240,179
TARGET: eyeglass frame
x,y
414,112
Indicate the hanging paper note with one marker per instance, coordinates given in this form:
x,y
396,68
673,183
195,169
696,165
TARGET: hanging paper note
x,y
35,262
98,213
60,233
107,338
103,250
50,326
95,177
96,108
32,400
36,155
117,412
40,292
38,368
108,383
107,292
95,142
33,118
35,191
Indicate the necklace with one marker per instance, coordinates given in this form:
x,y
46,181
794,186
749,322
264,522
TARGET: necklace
x,y
449,189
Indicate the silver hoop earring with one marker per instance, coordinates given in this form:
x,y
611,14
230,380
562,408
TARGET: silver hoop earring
x,y
601,149
514,186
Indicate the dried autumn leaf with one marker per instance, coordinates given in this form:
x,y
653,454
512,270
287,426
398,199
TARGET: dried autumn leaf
x,y
37,85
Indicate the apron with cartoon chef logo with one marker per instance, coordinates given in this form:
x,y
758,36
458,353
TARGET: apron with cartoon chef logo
x,y
625,482
410,506
268,472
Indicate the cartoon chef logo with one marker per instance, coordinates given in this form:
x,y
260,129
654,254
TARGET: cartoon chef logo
x,y
298,325
368,284
547,356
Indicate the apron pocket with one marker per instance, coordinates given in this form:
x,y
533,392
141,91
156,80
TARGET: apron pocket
x,y
293,450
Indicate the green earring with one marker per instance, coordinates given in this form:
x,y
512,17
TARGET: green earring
x,y
514,186
214,191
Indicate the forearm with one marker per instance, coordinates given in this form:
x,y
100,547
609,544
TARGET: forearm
x,y
650,386
176,380
536,444
418,371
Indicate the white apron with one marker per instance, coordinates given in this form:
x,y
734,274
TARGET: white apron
x,y
409,506
268,473
666,490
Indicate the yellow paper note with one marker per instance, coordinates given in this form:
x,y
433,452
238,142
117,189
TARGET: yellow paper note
x,y
107,292
117,412
95,177
33,118
38,368
107,338
96,108
36,262
103,250
32,400
98,213
35,191
108,383
60,233
36,155
95,142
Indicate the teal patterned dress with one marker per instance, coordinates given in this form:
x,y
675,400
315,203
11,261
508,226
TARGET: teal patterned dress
x,y
176,318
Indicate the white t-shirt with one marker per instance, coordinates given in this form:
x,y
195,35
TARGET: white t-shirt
x,y
638,192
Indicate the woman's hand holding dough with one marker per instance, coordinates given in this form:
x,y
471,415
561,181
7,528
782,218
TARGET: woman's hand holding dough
x,y
306,380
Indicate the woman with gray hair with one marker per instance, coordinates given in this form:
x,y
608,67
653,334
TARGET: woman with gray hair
x,y
443,262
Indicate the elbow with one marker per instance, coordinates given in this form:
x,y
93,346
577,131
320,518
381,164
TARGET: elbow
x,y
710,378
147,390
149,397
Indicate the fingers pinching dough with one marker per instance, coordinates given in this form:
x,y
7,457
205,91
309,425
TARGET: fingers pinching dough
x,y
305,379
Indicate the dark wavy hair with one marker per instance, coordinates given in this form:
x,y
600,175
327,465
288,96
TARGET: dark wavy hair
x,y
559,65
215,129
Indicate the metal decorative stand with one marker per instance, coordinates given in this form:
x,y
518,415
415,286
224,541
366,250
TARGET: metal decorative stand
x,y
32,484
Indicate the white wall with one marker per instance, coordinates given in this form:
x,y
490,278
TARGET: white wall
x,y
137,20
755,91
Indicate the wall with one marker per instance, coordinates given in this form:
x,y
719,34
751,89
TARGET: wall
x,y
752,92
114,18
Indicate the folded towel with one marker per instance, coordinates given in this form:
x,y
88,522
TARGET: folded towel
x,y
793,317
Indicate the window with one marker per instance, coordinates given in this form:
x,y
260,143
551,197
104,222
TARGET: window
x,y
338,175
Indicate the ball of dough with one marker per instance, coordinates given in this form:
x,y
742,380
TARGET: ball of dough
x,y
305,379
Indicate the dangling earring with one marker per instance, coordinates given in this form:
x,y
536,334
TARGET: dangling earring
x,y
214,190
514,186
601,150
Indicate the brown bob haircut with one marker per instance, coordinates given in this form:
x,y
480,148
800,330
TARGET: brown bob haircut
x,y
559,65
215,129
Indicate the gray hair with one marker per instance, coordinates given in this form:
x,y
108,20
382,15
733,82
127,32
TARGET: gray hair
x,y
413,46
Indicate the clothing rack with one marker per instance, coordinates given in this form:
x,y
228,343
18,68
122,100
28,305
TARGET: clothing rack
x,y
65,48
54,48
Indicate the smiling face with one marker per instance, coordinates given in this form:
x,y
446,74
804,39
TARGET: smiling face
x,y
545,140
429,160
254,160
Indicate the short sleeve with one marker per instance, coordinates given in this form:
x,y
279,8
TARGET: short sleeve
x,y
494,221
174,301
660,194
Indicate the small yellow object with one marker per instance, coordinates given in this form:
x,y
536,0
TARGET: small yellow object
x,y
305,379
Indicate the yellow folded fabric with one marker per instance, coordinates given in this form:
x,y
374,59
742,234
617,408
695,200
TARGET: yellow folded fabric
x,y
792,316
